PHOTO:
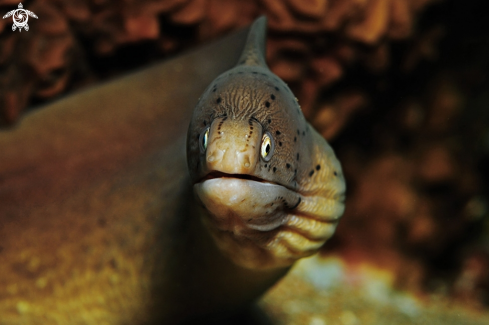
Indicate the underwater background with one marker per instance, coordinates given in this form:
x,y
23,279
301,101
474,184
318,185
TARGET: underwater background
x,y
399,88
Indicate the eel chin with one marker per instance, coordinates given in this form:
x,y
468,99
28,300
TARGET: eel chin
x,y
257,224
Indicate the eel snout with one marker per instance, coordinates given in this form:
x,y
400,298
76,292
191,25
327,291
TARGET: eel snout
x,y
233,146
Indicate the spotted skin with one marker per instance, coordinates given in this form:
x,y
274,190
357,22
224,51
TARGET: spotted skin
x,y
239,107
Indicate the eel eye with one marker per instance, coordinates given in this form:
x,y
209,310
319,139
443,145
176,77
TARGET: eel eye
x,y
204,137
267,147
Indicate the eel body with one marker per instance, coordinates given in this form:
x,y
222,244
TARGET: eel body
x,y
99,223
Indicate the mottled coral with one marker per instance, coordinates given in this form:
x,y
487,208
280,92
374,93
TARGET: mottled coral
x,y
415,190
311,41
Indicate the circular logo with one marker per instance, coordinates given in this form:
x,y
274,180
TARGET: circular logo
x,y
20,18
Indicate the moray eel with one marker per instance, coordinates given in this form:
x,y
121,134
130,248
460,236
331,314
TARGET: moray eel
x,y
271,186
99,222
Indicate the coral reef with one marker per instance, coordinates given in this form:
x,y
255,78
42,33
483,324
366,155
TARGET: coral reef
x,y
415,159
312,42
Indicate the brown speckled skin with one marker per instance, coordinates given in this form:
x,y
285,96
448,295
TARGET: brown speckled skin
x,y
257,85
95,199
252,91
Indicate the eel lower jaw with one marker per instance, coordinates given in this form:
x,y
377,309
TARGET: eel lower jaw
x,y
242,203
244,217
262,225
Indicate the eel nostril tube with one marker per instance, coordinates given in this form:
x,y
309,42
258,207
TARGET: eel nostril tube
x,y
246,161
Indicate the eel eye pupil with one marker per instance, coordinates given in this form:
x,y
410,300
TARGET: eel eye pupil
x,y
203,140
267,147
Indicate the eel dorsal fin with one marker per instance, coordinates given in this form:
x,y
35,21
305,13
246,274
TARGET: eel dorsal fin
x,y
254,52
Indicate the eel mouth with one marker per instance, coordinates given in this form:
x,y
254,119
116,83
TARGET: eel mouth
x,y
217,174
